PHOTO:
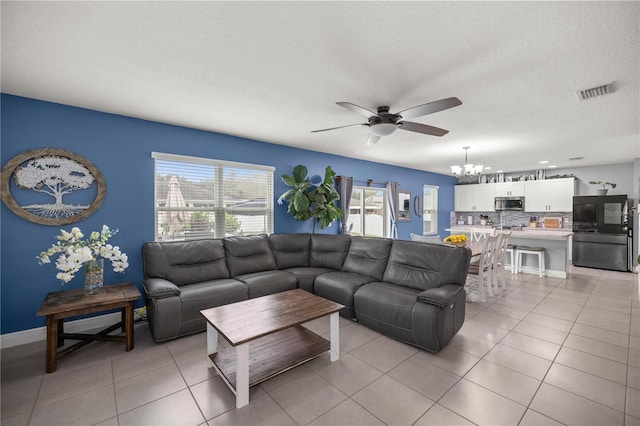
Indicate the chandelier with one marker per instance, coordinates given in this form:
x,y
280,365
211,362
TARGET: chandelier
x,y
468,168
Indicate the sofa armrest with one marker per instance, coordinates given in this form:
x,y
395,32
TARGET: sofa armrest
x,y
158,288
442,296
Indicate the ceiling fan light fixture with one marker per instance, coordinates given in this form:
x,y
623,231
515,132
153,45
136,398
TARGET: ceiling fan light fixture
x,y
383,129
383,123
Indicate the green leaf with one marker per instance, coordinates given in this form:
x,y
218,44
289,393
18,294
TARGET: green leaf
x,y
285,196
300,201
328,176
288,180
300,173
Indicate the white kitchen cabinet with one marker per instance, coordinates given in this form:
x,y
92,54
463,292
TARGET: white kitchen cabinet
x,y
510,189
552,195
464,198
478,197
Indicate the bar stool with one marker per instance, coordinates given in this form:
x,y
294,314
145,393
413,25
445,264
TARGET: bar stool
x,y
539,251
511,251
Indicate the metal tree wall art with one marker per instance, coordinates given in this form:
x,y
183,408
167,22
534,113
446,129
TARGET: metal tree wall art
x,y
53,176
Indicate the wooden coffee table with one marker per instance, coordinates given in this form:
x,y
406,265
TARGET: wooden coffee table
x,y
267,337
64,304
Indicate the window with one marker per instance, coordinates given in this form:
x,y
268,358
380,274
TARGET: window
x,y
201,197
367,212
430,210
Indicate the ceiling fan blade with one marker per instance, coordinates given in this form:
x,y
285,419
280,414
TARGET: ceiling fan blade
x,y
430,108
339,127
373,139
422,128
357,109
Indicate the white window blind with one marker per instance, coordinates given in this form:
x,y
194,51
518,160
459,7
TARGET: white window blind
x,y
206,198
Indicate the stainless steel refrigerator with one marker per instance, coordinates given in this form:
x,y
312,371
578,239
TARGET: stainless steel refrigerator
x,y
602,232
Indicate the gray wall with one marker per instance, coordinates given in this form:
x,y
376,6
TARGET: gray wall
x,y
622,174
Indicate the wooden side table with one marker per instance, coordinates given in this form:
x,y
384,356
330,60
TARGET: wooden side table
x,y
64,304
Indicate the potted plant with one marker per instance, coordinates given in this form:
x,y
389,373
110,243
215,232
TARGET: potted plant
x,y
603,190
74,252
308,201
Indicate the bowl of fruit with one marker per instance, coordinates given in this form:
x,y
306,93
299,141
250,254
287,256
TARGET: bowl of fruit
x,y
456,240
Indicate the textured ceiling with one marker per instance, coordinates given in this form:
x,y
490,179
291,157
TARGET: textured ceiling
x,y
272,71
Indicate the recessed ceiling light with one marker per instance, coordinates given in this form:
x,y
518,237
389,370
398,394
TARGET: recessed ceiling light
x,y
543,162
488,167
553,166
499,171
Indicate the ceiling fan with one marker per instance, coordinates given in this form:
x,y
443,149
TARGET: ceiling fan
x,y
383,123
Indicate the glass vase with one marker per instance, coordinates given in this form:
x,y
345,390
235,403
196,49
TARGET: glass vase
x,y
93,275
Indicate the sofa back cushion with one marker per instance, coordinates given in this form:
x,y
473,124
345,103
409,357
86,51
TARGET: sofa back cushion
x,y
291,250
185,262
249,254
424,266
329,251
368,256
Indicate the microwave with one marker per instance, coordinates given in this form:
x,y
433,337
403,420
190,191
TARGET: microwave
x,y
509,203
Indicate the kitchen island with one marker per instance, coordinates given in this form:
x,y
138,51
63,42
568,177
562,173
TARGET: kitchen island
x,y
556,243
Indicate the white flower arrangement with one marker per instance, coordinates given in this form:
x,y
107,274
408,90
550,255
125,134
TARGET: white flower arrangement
x,y
74,252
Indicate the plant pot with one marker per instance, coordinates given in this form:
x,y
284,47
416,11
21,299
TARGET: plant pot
x,y
601,191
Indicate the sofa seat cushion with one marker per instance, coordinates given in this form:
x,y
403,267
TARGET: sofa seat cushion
x,y
307,276
340,287
209,294
390,305
268,282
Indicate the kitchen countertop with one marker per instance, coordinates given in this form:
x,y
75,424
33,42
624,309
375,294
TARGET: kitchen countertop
x,y
533,233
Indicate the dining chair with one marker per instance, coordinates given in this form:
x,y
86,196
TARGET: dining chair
x,y
498,266
480,273
480,237
477,235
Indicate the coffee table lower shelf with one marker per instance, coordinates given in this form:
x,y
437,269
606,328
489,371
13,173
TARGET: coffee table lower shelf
x,y
272,354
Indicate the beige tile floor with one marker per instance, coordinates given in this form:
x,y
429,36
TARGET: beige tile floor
x,y
545,352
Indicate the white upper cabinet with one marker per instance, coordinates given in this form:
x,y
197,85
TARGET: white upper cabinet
x,y
510,189
552,195
478,197
464,198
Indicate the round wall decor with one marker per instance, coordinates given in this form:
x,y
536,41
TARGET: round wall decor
x,y
52,186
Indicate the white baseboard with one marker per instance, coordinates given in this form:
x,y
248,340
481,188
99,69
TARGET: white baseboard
x,y
36,334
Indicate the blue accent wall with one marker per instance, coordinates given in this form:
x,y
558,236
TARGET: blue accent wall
x,y
121,148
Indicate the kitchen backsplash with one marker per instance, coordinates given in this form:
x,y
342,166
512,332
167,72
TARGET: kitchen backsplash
x,y
511,218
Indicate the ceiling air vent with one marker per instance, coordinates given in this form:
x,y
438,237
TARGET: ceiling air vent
x,y
594,92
